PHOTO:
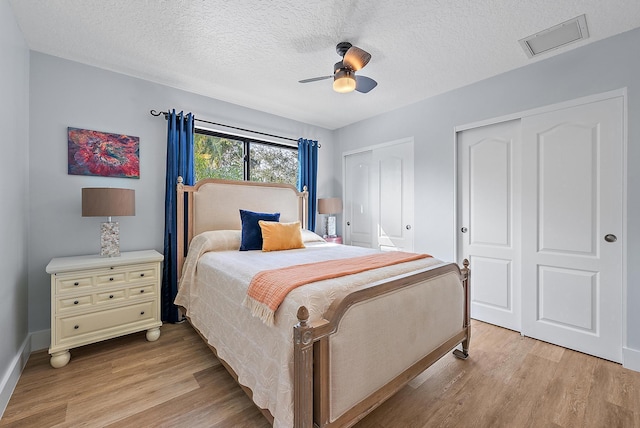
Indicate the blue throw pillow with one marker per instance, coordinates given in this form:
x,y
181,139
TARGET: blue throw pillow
x,y
251,232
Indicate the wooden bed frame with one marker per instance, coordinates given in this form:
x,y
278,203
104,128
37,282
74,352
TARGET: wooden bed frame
x,y
312,341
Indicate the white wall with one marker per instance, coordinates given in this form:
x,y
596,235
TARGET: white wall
x,y
66,93
599,67
14,145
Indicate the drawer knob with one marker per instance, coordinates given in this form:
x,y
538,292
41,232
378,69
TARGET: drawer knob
x,y
141,274
76,283
142,291
111,296
142,313
75,327
110,279
75,302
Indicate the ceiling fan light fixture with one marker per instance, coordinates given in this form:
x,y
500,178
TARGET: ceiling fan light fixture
x,y
344,72
344,81
356,58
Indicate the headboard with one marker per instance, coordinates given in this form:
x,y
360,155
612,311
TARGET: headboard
x,y
214,204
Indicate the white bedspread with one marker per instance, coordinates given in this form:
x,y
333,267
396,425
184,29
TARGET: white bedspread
x,y
212,290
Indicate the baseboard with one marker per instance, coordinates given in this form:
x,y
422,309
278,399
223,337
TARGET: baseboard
x,y
631,359
33,342
12,375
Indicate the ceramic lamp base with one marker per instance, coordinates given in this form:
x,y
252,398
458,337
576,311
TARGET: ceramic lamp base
x,y
331,225
110,239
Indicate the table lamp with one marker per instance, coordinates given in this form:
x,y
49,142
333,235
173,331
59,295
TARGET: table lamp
x,y
108,202
330,206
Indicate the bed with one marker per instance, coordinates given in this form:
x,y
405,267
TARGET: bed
x,y
336,348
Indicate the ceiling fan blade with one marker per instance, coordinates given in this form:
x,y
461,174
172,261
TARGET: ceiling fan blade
x,y
356,58
314,79
364,84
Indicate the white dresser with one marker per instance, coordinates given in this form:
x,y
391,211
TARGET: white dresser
x,y
95,298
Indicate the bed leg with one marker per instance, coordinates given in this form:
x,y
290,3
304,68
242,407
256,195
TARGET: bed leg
x,y
466,283
303,371
464,354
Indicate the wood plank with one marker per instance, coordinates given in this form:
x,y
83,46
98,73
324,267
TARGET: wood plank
x,y
508,381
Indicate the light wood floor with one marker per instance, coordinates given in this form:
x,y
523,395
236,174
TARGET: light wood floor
x,y
508,381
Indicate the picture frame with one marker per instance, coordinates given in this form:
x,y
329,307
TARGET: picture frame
x,y
102,153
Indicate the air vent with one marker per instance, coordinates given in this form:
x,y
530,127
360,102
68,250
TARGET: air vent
x,y
555,37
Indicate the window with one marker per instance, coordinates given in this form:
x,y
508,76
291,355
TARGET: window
x,y
230,157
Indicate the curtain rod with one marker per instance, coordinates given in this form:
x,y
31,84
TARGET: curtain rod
x,y
166,114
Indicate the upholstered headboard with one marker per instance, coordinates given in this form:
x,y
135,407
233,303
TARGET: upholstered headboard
x,y
214,204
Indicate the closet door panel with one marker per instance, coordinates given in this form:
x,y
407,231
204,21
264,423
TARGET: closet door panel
x,y
488,220
572,205
393,197
358,209
378,191
568,176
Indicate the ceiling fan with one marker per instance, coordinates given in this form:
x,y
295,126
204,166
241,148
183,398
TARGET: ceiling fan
x,y
344,72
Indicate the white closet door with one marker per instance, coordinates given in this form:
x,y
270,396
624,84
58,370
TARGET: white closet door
x,y
572,227
357,200
378,192
489,220
393,197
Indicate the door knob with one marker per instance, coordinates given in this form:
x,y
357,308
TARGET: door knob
x,y
348,223
463,230
610,238
408,227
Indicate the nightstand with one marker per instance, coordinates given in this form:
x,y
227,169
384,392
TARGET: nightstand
x,y
334,239
95,298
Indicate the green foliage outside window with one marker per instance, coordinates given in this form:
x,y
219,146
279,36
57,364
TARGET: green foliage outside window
x,y
271,164
221,157
216,157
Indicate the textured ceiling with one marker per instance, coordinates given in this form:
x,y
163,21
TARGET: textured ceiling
x,y
253,53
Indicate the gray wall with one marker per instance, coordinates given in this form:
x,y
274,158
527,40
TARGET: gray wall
x,y
599,67
14,214
66,93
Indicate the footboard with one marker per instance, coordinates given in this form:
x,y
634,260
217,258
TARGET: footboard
x,y
374,340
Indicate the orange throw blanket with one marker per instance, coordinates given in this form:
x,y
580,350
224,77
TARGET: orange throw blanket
x,y
268,288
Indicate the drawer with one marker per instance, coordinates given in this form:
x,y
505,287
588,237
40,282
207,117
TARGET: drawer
x,y
111,296
73,283
111,278
143,273
73,302
74,326
142,291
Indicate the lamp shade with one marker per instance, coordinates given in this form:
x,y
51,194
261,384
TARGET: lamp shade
x,y
344,81
107,202
330,206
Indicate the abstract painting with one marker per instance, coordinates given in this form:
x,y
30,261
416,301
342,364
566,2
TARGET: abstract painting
x,y
103,154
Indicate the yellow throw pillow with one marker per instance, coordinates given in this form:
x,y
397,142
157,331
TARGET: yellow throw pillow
x,y
280,236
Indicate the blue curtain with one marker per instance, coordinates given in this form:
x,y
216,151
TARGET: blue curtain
x,y
308,175
179,163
